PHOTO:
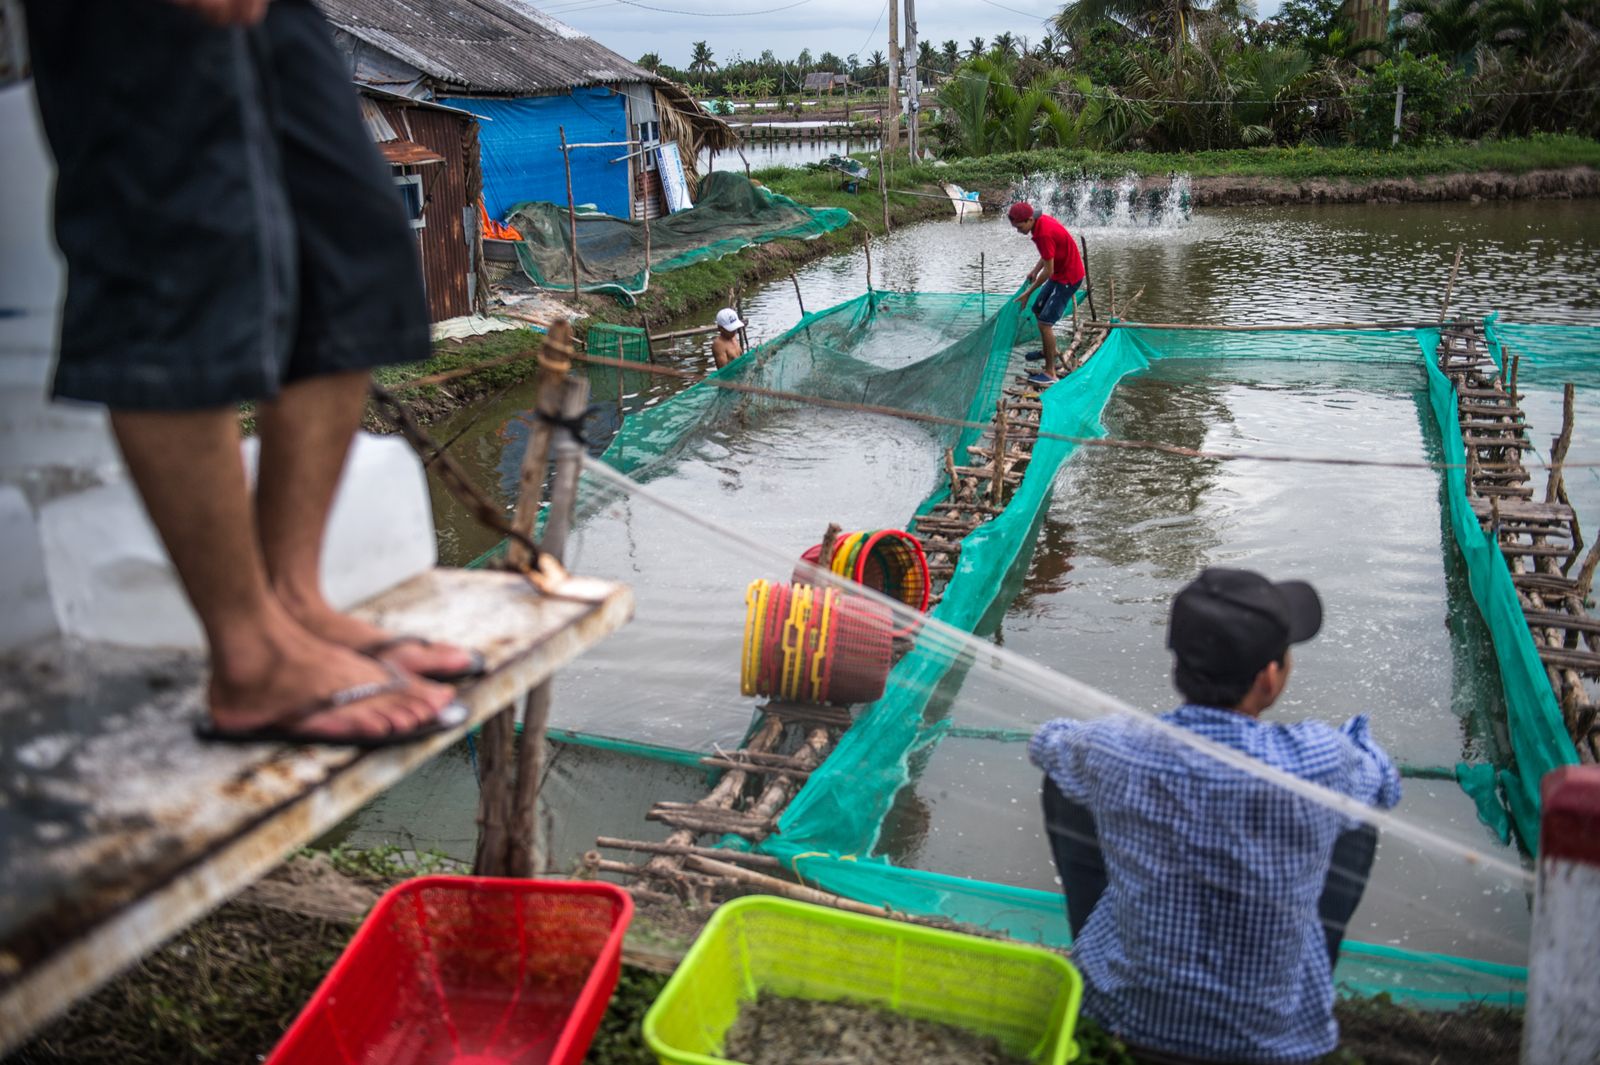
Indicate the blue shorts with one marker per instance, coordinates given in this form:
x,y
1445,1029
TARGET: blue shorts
x,y
1052,301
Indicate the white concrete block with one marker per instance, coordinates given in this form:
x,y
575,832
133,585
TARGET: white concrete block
x,y
29,614
111,579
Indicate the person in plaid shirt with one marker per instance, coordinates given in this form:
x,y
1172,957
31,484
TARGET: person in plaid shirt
x,y
1207,904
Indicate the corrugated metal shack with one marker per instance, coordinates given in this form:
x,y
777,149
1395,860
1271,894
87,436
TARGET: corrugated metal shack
x,y
531,75
434,153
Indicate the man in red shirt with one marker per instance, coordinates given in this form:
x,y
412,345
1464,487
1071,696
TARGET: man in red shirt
x,y
1056,277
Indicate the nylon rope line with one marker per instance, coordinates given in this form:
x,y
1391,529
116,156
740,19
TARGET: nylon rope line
x,y
1091,701
1083,441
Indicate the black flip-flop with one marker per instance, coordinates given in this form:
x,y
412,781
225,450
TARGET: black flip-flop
x,y
284,729
476,666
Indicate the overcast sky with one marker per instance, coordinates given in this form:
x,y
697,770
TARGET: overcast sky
x,y
748,27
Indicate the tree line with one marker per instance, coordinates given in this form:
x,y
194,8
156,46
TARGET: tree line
x,y
1175,75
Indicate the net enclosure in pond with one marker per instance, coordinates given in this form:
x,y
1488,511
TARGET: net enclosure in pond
x,y
869,351
732,213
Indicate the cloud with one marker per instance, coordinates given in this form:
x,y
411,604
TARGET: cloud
x,y
844,27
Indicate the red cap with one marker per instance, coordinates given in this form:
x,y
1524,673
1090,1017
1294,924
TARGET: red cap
x,y
1020,212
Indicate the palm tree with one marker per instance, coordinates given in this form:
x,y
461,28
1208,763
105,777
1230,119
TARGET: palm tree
x,y
1531,27
977,47
952,55
1170,23
1048,49
651,61
1005,44
700,61
927,59
877,66
1450,29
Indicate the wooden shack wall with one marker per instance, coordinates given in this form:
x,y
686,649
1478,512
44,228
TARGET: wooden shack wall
x,y
450,249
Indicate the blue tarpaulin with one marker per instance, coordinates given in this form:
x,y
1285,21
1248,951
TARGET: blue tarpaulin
x,y
521,149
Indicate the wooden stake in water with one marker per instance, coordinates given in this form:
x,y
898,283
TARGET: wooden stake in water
x,y
1088,282
797,298
866,245
983,287
1444,309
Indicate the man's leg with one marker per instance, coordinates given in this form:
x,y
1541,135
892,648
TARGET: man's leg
x,y
1075,845
1047,340
263,664
1347,879
305,436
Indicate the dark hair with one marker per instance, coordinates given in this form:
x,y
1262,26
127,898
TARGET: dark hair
x,y
1203,690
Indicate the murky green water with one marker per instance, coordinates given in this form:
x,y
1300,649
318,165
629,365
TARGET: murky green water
x,y
1122,533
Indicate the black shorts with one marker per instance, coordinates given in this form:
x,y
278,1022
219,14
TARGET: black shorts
x,y
228,224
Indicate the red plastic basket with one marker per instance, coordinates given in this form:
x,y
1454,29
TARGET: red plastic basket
x,y
456,970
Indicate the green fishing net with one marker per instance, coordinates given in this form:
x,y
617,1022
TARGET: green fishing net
x,y
731,213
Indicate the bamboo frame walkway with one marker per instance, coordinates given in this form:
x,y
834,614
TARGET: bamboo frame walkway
x,y
1538,533
121,827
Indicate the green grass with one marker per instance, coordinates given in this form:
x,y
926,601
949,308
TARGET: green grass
x,y
1298,164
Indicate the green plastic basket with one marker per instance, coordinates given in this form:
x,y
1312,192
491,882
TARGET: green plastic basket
x,y
1025,997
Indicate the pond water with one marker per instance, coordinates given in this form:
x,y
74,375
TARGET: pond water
x,y
1121,534
762,154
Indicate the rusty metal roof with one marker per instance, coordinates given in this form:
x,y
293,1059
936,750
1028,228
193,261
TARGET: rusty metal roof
x,y
408,153
485,46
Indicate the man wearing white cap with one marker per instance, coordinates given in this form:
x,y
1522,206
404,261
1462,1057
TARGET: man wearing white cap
x,y
725,347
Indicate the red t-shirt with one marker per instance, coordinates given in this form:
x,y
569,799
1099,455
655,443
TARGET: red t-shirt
x,y
1054,242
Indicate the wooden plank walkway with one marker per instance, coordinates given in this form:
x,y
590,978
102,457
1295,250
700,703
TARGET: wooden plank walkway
x,y
1537,532
120,827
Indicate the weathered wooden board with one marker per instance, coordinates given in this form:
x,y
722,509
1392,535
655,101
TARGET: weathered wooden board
x,y
118,827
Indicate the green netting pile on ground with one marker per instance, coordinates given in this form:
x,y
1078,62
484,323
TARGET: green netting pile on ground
x,y
731,213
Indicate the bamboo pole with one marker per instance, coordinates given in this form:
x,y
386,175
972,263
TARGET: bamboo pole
x,y
754,861
699,330
799,892
883,188
997,482
797,297
1274,327
1088,282
572,208
866,245
1558,447
1444,308
983,285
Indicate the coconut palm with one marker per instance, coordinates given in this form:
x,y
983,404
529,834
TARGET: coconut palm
x,y
700,59
1532,27
952,55
1005,45
1450,29
1168,23
976,47
877,66
927,57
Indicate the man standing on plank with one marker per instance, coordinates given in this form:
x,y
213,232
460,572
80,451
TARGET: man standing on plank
x,y
1056,277
240,240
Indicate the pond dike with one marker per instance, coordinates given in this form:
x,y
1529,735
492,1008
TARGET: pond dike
x,y
1566,183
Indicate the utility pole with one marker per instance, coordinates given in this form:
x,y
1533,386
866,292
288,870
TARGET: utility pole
x,y
913,89
891,121
1399,106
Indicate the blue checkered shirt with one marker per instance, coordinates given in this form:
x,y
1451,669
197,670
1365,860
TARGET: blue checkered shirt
x,y
1206,942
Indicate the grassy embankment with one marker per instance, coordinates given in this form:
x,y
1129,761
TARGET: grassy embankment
x,y
703,287
1543,152
227,988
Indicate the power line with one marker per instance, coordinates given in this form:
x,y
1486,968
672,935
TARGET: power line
x,y
874,31
714,14
1014,11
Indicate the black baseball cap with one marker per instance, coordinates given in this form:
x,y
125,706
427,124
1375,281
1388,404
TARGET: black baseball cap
x,y
1227,624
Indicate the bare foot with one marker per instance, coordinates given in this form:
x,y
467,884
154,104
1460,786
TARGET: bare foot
x,y
271,676
414,656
